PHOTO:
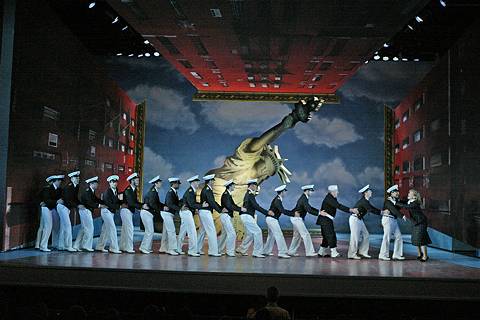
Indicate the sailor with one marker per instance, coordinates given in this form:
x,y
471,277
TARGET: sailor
x,y
359,236
130,206
70,204
88,203
228,236
206,218
112,205
390,226
173,206
152,200
299,229
252,230
325,219
50,196
275,233
187,226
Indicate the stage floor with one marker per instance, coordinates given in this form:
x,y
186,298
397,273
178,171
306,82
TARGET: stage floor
x,y
444,276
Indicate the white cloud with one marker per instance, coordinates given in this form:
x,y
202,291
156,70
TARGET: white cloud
x,y
154,164
301,177
373,176
242,118
334,172
166,108
332,133
219,161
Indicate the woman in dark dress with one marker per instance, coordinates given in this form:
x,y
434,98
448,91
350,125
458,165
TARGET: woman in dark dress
x,y
420,237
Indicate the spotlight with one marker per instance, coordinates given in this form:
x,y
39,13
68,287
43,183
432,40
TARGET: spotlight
x,y
146,42
376,57
366,62
410,27
443,3
156,54
124,28
404,59
115,20
385,58
119,54
395,59
91,5
386,45
419,20
147,54
140,55
130,55
416,59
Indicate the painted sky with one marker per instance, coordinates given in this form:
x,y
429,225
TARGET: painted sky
x,y
342,144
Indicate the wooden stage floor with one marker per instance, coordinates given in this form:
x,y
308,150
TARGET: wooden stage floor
x,y
445,276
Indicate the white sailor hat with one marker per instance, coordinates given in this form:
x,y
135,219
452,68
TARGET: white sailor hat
x,y
308,187
228,183
132,176
113,177
392,188
155,179
174,179
367,187
58,177
252,181
74,174
332,188
194,178
93,179
50,178
281,188
209,177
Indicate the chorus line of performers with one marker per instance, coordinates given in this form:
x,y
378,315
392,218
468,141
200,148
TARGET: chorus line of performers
x,y
57,202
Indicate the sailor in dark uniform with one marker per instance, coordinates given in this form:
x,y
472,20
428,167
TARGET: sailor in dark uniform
x,y
275,233
50,196
359,236
173,204
300,231
206,218
420,237
187,226
325,219
152,200
131,205
70,203
390,226
88,203
228,236
252,230
112,205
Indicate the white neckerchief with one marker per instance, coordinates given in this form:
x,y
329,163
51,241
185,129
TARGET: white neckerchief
x,y
114,191
194,190
410,201
392,200
279,197
173,190
156,189
75,185
229,192
93,191
306,195
251,191
54,187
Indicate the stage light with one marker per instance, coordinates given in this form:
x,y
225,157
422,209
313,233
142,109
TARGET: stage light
x,y
443,3
119,54
140,55
124,28
91,5
404,59
366,62
395,59
385,58
115,20
416,59
130,55
376,57
419,20
146,42
386,45
156,54
147,54
410,27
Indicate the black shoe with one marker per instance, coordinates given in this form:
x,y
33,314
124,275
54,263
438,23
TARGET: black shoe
x,y
424,260
419,257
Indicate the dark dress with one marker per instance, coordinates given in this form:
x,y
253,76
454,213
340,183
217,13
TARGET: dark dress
x,y
420,235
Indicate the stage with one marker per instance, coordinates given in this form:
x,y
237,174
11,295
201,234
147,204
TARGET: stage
x,y
444,276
